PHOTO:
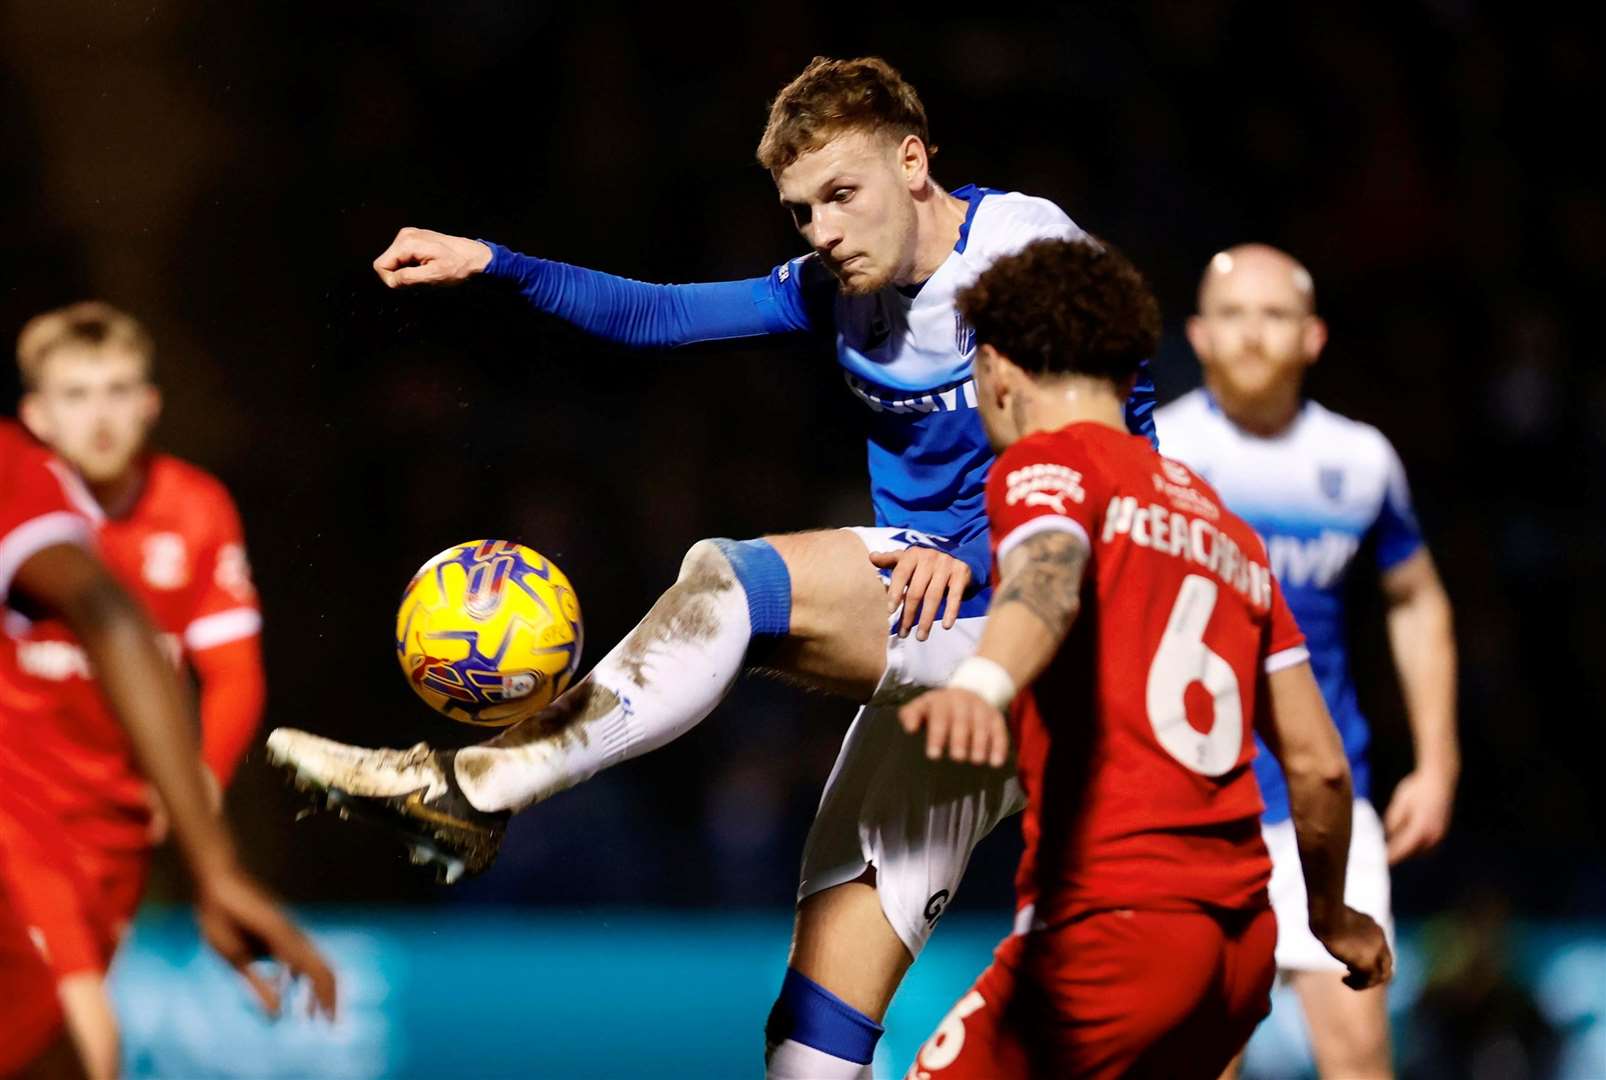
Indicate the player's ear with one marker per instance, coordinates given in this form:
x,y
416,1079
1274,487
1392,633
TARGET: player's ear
x,y
31,411
153,403
1314,338
988,372
1010,380
1197,338
914,161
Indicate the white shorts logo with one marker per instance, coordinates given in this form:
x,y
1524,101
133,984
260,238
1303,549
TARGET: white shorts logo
x,y
1045,485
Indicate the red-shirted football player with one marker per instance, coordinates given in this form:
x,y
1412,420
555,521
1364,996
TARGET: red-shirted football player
x,y
46,569
170,534
1149,635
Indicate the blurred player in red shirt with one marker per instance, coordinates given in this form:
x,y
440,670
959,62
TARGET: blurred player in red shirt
x,y
1143,941
47,569
170,534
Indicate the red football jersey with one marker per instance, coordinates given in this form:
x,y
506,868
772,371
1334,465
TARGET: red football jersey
x,y
1134,745
38,507
180,552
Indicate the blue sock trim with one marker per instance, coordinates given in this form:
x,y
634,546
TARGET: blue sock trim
x,y
808,1013
764,577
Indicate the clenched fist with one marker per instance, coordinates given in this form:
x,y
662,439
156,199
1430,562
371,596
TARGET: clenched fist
x,y
423,257
1358,942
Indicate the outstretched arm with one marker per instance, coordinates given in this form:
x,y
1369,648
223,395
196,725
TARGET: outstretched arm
x,y
614,308
140,685
236,916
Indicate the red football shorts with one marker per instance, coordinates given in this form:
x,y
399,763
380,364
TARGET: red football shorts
x,y
30,1018
63,909
1164,994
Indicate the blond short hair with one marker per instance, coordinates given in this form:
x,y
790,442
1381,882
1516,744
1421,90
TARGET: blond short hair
x,y
92,324
831,97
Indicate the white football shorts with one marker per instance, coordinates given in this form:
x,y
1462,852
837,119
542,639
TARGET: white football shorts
x,y
1366,889
885,804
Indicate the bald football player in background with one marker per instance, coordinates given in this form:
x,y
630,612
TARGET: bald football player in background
x,y
1330,498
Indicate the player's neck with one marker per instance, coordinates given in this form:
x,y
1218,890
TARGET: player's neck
x,y
1053,405
118,495
938,218
1266,416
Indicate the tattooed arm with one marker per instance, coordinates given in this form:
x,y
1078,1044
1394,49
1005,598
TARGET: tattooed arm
x,y
1036,603
1033,608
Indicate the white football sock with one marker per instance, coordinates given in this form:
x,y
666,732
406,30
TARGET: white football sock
x,y
794,1061
657,684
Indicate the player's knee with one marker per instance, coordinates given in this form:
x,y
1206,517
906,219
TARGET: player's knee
x,y
1362,1063
1349,1031
1359,1049
755,565
808,1014
705,566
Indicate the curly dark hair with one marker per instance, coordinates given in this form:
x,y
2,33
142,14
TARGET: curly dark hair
x,y
833,96
1065,307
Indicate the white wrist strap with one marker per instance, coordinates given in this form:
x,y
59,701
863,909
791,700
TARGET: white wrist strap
x,y
987,680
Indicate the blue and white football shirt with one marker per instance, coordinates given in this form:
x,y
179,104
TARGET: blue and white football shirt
x,y
1318,494
907,355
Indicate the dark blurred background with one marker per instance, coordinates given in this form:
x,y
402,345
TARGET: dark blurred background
x,y
228,172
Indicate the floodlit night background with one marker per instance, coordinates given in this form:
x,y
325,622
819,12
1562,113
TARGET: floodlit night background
x,y
227,172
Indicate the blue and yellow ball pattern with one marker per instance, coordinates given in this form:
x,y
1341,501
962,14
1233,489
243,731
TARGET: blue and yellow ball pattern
x,y
489,632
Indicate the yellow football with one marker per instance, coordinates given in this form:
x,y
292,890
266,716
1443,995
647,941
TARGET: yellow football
x,y
489,632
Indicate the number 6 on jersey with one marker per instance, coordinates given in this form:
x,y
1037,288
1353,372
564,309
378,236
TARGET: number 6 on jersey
x,y
1182,660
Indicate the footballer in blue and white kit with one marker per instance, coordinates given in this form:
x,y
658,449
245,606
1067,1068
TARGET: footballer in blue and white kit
x,y
1320,494
904,351
846,146
906,354
1329,496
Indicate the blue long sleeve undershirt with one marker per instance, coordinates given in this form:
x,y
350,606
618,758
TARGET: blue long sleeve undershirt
x,y
636,313
640,314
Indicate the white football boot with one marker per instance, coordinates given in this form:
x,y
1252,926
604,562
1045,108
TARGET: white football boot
x,y
413,792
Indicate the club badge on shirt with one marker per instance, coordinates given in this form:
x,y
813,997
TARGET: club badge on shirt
x,y
1331,480
166,563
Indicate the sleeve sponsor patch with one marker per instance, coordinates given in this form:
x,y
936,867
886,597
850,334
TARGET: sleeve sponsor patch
x,y
1045,485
